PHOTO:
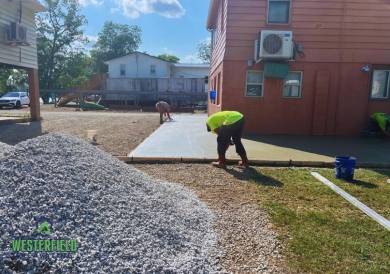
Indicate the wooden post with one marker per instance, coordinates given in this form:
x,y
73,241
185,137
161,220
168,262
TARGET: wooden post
x,y
35,109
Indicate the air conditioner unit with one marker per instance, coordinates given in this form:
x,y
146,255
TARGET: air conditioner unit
x,y
275,44
17,33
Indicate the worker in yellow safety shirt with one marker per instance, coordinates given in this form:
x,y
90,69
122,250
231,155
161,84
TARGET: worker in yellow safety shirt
x,y
228,125
379,122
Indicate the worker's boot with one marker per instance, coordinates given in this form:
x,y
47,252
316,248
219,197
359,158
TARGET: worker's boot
x,y
161,120
221,161
244,160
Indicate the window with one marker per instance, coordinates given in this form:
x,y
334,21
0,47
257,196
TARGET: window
x,y
123,70
215,36
279,11
380,84
152,70
292,85
206,79
254,84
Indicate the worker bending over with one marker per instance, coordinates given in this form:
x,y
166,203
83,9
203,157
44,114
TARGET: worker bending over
x,y
379,122
163,108
227,125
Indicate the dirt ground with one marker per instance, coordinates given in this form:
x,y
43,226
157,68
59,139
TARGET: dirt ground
x,y
248,241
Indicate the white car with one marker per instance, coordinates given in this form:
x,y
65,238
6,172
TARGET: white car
x,y
15,100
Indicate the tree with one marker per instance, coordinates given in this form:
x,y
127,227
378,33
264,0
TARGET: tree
x,y
204,51
58,31
115,40
4,77
169,58
12,80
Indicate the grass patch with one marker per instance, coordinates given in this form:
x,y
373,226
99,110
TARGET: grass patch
x,y
19,115
321,231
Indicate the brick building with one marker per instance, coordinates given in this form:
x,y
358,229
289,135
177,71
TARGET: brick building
x,y
338,72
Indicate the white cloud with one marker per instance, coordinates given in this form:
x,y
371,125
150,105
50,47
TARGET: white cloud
x,y
92,39
114,10
85,3
167,51
190,59
165,8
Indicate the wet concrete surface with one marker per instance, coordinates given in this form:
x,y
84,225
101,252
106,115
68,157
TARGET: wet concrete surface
x,y
187,137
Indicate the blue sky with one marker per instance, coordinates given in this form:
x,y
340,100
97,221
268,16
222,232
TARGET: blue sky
x,y
168,26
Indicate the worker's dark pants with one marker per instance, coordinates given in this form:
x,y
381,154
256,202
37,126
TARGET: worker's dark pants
x,y
233,131
373,126
161,110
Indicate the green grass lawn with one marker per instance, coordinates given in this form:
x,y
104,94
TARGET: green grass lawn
x,y
321,231
20,115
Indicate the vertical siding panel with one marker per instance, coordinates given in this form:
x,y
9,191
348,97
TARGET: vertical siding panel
x,y
23,56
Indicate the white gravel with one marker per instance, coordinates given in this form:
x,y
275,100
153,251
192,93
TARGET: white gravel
x,y
4,147
123,220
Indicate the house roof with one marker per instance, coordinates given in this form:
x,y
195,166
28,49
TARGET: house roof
x,y
108,62
34,5
213,9
185,65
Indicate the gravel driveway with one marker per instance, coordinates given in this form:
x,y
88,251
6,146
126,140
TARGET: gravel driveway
x,y
247,240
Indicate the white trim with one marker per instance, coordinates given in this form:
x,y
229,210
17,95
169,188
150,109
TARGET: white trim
x,y
382,221
289,12
153,74
120,70
387,88
300,86
254,84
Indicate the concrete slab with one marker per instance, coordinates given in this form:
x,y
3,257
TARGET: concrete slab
x,y
186,138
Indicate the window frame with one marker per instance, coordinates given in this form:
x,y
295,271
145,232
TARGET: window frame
x,y
254,84
387,81
120,70
300,85
289,12
151,73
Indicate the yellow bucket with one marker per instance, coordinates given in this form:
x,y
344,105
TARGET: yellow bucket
x,y
92,136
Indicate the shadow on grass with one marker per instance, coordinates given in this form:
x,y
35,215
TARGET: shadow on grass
x,y
251,174
363,184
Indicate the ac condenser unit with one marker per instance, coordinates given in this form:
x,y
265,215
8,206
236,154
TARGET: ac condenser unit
x,y
275,44
17,33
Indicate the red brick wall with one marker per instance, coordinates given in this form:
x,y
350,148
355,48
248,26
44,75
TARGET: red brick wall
x,y
334,100
338,38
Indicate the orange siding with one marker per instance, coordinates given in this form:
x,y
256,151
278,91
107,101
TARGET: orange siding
x,y
339,37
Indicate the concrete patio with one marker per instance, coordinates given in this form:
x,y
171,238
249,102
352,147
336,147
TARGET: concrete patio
x,y
186,139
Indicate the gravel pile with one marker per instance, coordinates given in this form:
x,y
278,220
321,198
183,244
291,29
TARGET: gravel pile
x,y
4,147
122,220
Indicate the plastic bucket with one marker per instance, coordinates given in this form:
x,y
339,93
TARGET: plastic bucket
x,y
213,94
92,136
344,167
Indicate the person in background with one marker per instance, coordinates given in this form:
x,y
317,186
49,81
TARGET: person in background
x,y
228,125
380,122
163,108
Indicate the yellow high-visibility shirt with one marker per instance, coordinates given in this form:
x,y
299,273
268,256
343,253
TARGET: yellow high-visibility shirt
x,y
223,118
381,119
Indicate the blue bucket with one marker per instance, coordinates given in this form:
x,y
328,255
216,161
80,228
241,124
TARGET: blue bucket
x,y
213,94
344,167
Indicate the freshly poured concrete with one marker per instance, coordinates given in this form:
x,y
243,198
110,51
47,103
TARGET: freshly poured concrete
x,y
187,137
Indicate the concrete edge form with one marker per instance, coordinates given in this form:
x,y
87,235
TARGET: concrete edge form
x,y
15,121
290,163
382,221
